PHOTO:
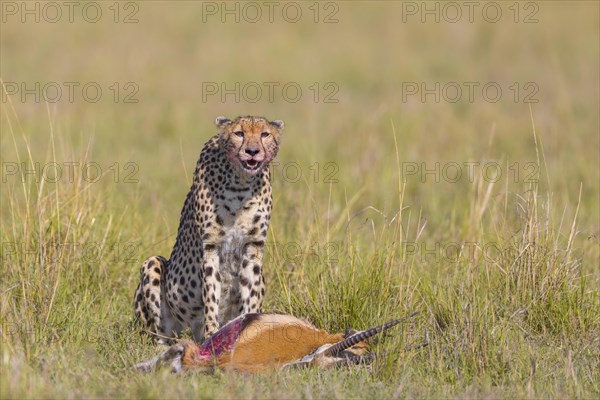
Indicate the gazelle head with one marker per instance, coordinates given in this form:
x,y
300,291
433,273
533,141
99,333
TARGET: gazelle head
x,y
172,357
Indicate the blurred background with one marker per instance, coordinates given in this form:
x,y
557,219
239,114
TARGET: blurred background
x,y
134,87
340,74
130,91
479,120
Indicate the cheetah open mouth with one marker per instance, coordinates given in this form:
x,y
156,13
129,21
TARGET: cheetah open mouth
x,y
251,165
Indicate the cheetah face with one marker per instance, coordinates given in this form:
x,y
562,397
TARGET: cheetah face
x,y
250,143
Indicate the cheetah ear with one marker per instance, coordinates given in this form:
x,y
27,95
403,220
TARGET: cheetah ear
x,y
278,124
222,122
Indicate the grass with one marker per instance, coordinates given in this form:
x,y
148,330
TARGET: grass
x,y
505,273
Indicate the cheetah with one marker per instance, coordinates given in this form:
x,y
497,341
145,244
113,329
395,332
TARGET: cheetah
x,y
214,273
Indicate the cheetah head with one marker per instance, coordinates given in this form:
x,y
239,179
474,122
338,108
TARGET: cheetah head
x,y
250,143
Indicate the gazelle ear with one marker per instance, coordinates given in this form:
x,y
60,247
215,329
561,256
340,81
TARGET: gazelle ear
x,y
278,124
222,122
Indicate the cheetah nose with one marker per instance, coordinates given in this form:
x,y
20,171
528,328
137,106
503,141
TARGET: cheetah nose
x,y
252,151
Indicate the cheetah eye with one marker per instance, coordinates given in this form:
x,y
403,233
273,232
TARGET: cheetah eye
x,y
239,133
264,134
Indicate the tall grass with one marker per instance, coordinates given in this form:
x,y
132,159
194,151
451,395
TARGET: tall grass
x,y
512,319
504,273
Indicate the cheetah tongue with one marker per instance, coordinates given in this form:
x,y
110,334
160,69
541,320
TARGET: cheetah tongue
x,y
223,340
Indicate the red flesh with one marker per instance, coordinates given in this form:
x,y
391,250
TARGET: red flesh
x,y
223,340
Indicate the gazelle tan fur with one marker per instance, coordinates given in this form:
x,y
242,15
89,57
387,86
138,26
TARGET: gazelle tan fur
x,y
257,342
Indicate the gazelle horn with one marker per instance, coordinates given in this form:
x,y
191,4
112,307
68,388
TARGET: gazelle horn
x,y
362,335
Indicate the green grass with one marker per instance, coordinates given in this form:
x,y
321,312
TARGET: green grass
x,y
505,274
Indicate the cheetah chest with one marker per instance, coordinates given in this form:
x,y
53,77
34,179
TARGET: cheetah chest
x,y
231,249
236,214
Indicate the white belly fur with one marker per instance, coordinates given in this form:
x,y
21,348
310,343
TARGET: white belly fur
x,y
232,244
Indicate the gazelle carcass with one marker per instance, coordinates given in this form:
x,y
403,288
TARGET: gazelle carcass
x,y
260,341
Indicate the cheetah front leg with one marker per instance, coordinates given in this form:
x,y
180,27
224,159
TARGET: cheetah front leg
x,y
211,291
252,286
150,307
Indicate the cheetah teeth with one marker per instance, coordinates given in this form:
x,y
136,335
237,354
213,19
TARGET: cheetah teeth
x,y
251,164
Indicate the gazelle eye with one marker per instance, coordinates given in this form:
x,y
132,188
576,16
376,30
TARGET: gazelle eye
x,y
239,133
264,134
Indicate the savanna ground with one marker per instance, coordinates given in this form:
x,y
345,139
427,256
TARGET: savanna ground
x,y
502,261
